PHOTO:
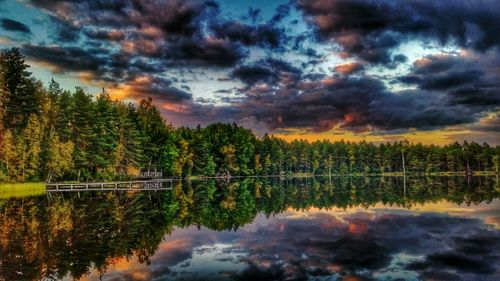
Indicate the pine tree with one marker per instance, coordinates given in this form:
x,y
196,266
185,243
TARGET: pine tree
x,y
20,98
105,136
64,124
129,151
153,127
82,131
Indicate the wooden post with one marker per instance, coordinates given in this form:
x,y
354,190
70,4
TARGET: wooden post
x,y
329,165
403,157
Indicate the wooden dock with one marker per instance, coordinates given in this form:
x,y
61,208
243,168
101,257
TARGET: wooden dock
x,y
156,184
151,174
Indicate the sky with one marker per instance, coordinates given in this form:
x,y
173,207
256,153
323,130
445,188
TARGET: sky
x,y
426,71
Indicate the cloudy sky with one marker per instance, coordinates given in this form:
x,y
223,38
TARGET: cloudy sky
x,y
374,70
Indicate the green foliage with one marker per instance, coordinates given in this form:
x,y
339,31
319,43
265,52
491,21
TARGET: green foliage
x,y
54,135
20,94
59,161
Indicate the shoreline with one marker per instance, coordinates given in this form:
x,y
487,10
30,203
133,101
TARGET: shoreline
x,y
15,190
35,185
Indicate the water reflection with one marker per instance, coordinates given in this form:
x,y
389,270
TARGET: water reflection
x,y
301,229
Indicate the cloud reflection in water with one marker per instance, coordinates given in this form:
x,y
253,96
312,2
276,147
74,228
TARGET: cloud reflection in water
x,y
353,244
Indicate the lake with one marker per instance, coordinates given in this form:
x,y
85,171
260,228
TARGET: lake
x,y
348,228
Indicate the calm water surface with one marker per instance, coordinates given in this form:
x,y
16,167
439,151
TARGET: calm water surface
x,y
300,229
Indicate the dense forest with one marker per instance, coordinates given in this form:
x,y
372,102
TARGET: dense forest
x,y
49,134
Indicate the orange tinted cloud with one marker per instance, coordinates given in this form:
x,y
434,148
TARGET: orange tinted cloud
x,y
348,68
356,227
122,267
144,47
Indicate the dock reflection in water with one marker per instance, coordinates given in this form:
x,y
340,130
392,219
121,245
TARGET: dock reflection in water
x,y
301,229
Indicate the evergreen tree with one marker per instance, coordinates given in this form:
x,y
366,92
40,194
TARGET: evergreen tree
x,y
52,134
129,151
19,95
152,127
105,137
83,133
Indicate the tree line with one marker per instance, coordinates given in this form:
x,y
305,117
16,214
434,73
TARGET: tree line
x,y
49,133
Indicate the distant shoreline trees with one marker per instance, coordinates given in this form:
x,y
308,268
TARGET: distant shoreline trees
x,y
49,134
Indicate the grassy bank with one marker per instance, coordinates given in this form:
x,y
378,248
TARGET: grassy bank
x,y
8,190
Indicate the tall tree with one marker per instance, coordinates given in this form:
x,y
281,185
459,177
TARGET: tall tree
x,y
105,136
153,127
83,133
59,160
130,151
229,165
19,93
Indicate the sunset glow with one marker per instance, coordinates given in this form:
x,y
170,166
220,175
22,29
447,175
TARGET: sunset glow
x,y
309,69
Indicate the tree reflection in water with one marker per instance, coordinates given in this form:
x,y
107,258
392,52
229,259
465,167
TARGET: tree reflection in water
x,y
294,229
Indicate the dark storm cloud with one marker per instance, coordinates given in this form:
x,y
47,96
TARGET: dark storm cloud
x,y
267,71
354,103
278,96
372,29
140,66
467,81
444,81
477,95
174,17
252,74
171,93
142,39
210,52
15,26
67,58
265,35
176,32
132,44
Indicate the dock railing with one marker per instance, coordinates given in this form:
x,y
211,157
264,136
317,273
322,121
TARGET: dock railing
x,y
156,184
151,174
